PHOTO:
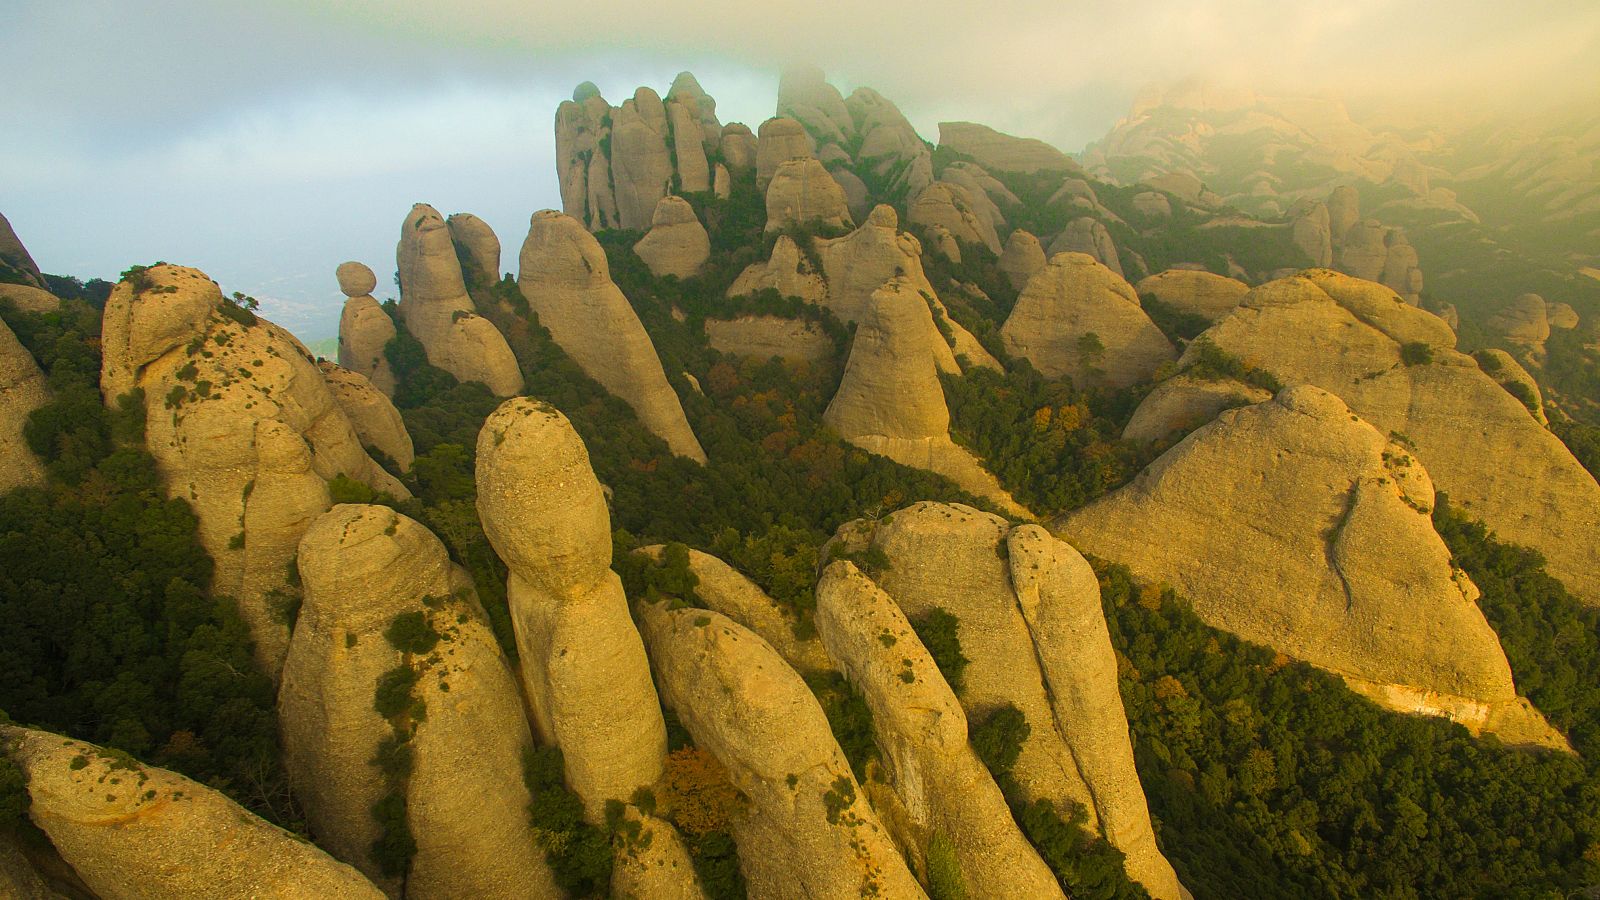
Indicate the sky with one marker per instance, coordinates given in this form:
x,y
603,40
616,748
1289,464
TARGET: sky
x,y
266,141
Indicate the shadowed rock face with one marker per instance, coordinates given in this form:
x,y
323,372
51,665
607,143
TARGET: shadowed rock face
x,y
375,420
249,435
437,311
15,257
677,243
363,568
136,832
890,401
1075,297
1524,321
567,282
1297,525
583,664
477,248
940,784
1196,292
364,328
1345,336
22,390
807,829
803,193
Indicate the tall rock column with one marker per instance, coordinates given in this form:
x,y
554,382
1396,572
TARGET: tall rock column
x,y
384,606
583,663
567,281
583,131
364,328
641,163
437,311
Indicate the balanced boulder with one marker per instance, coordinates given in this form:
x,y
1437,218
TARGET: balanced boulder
x,y
567,282
365,330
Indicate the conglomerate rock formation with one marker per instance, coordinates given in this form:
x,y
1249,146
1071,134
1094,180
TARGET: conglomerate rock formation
x,y
22,390
373,416
365,330
676,243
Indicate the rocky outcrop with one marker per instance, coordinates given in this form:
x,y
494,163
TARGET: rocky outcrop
x,y
364,328
888,144
654,864
641,162
1193,291
1344,211
921,730
859,263
1505,370
999,152
890,401
1075,298
1031,629
241,425
1023,257
567,282
677,243
15,260
136,832
1562,316
31,299
1297,525
1312,230
1477,442
807,830
763,337
583,665
805,96
689,125
437,311
950,206
1402,271
22,390
1152,205
1363,251
376,422
778,141
1185,402
739,147
686,91
477,248
367,571
801,192
1088,236
787,271
857,198
1524,321
583,165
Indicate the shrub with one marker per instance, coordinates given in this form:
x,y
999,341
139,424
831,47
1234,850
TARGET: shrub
x,y
1416,353
411,632
940,633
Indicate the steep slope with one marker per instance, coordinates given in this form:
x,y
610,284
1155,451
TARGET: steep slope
x,y
22,390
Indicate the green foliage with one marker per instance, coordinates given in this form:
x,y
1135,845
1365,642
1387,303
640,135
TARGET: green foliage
x,y
944,870
395,845
998,739
579,854
1177,325
1416,353
849,718
112,634
392,696
1212,363
411,632
939,631
14,799
716,863
1583,440
667,578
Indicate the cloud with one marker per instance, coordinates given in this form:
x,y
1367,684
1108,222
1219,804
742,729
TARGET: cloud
x,y
268,141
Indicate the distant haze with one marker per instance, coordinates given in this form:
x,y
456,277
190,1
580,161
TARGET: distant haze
x,y
266,142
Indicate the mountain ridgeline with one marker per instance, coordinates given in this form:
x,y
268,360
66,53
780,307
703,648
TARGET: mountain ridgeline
x,y
821,512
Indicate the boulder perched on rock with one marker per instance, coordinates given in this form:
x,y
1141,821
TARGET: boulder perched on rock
x,y
583,665
1076,318
778,141
862,261
1031,629
136,832
677,244
802,193
381,597
951,207
1000,152
1185,402
641,161
807,829
241,425
890,401
365,330
437,311
1023,256
1088,236
1295,524
22,390
1195,292
763,337
376,422
937,779
567,282
787,271
1477,441
15,259
477,248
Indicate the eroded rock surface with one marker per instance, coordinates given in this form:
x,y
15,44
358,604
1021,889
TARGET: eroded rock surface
x,y
803,193
22,390
1076,318
1022,258
376,422
1192,291
677,244
364,328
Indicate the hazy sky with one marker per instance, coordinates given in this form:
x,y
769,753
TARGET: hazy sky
x,y
265,142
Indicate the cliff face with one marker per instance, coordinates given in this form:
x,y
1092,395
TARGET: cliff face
x,y
1295,524
22,390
